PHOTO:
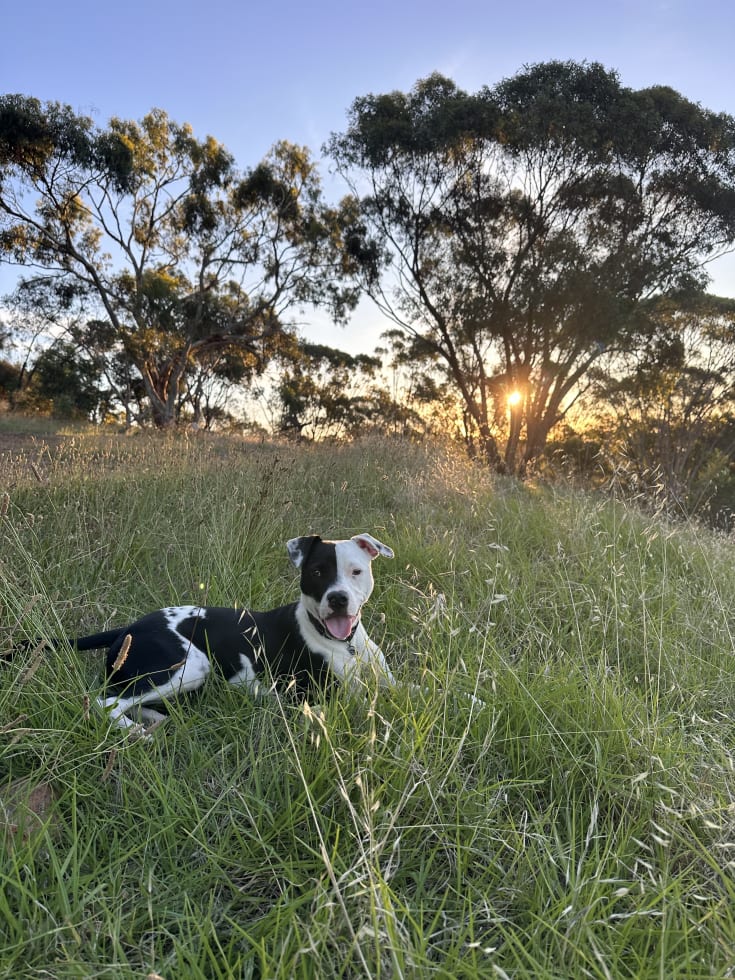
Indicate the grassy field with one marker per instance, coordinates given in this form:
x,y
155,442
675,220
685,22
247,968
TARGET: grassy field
x,y
582,824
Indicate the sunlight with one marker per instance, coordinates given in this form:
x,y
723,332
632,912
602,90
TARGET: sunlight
x,y
514,398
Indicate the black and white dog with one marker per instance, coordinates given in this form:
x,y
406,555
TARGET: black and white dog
x,y
304,644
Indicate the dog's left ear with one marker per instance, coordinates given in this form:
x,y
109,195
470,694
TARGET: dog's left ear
x,y
373,547
299,548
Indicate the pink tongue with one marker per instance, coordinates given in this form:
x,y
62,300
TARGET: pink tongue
x,y
339,626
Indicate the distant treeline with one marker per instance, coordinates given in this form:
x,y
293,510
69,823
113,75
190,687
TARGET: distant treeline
x,y
537,248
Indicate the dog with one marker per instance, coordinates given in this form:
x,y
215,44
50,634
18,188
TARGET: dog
x,y
303,645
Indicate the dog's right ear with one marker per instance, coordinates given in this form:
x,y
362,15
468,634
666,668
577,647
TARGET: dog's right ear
x,y
299,548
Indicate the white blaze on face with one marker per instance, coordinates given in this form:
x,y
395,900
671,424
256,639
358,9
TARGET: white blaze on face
x,y
336,578
339,608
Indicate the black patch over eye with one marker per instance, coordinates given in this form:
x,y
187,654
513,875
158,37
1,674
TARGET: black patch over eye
x,y
320,569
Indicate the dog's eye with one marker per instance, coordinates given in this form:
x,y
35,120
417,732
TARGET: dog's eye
x,y
356,571
316,572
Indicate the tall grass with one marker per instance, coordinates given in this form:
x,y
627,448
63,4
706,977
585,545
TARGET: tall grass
x,y
581,824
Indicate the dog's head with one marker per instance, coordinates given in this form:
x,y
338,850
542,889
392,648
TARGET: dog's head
x,y
336,578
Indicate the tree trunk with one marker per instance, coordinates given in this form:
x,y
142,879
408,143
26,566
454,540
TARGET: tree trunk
x,y
489,447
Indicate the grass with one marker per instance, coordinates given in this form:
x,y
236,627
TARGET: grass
x,y
582,824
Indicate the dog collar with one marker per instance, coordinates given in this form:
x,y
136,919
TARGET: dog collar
x,y
323,631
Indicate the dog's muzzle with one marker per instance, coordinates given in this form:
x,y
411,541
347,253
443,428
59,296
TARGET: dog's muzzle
x,y
338,623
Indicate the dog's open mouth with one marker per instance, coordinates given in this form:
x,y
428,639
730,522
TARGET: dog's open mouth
x,y
340,627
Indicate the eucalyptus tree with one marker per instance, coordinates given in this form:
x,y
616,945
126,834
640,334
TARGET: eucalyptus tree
x,y
157,248
511,234
668,407
323,393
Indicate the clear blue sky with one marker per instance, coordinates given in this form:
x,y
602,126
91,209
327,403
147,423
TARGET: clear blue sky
x,y
250,73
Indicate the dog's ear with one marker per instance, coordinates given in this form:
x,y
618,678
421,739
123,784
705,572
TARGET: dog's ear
x,y
299,548
373,547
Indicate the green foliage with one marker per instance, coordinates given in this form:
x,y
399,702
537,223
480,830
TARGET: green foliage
x,y
518,229
158,235
67,382
10,378
34,138
664,411
579,824
324,393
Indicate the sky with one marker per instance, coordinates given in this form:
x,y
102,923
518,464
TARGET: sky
x,y
251,73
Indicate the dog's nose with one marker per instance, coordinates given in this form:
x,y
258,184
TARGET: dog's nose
x,y
338,601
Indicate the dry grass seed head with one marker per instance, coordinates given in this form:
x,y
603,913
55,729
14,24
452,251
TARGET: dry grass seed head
x,y
10,725
111,756
37,659
123,654
25,807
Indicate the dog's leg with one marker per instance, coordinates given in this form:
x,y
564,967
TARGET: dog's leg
x,y
190,676
150,714
247,677
116,709
376,659
367,661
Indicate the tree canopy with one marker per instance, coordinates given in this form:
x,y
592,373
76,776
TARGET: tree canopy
x,y
157,249
511,234
668,406
525,241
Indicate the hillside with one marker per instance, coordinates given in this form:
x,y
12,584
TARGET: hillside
x,y
581,824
